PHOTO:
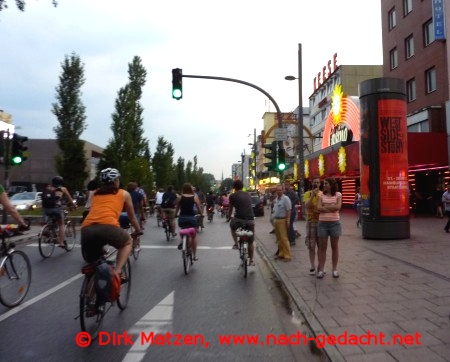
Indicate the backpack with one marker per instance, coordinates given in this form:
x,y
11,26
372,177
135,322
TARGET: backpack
x,y
107,282
168,201
49,198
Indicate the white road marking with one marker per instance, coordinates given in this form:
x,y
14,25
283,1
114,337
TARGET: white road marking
x,y
39,297
228,247
157,320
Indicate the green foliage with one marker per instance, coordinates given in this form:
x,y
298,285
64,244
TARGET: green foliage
x,y
128,150
20,4
226,185
69,110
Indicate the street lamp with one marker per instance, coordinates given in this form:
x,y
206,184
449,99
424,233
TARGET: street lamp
x,y
301,165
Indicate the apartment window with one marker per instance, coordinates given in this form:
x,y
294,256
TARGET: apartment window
x,y
430,76
411,89
409,46
407,7
428,32
392,19
393,55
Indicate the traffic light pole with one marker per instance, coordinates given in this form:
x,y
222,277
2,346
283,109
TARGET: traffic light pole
x,y
279,116
7,152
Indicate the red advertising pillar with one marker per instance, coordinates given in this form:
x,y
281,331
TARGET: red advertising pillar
x,y
384,159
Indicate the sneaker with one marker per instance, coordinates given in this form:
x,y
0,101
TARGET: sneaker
x,y
320,274
335,274
235,247
137,248
180,246
272,232
174,234
251,263
312,271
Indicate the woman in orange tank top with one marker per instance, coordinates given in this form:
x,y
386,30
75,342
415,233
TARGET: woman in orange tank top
x,y
101,225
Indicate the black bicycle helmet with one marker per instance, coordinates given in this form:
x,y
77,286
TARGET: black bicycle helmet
x,y
109,175
57,181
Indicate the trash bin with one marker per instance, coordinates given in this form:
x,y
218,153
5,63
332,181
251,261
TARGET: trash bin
x,y
299,212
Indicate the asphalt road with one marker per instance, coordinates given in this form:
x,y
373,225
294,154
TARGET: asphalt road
x,y
167,307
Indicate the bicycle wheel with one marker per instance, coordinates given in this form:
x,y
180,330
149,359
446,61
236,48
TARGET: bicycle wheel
x,y
167,231
136,247
125,288
91,315
15,278
245,258
187,256
71,235
47,240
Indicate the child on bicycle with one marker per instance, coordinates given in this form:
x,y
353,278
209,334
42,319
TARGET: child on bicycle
x,y
101,225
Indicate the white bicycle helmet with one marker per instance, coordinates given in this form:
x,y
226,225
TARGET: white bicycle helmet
x,y
109,175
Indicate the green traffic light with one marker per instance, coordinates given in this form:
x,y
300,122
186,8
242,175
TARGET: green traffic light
x,y
176,93
281,167
16,160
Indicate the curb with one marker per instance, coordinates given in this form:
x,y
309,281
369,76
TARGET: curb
x,y
331,352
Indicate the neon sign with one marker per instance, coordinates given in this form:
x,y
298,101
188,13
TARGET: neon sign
x,y
325,73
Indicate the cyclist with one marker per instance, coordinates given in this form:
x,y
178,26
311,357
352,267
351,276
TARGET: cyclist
x,y
186,216
52,203
158,201
101,225
168,204
210,201
241,201
10,209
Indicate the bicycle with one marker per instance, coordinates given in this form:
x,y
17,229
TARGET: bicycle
x,y
136,246
15,270
49,234
92,309
186,247
166,226
210,211
244,237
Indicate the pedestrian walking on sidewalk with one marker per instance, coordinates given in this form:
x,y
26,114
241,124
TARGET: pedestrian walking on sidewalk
x,y
329,225
311,199
281,218
446,202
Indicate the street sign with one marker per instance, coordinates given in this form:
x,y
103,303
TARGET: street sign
x,y
280,134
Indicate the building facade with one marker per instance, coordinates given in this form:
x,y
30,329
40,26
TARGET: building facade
x,y
39,168
415,49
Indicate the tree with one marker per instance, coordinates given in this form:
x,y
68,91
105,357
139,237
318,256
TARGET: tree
x,y
69,110
128,150
20,4
163,163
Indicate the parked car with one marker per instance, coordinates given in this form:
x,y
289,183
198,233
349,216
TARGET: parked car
x,y
79,197
15,190
27,200
258,205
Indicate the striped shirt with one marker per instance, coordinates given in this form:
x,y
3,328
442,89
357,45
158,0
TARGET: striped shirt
x,y
328,199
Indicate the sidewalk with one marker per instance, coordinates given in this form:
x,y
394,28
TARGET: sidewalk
x,y
388,286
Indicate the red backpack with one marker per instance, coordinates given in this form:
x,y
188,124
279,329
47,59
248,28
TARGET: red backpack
x,y
107,282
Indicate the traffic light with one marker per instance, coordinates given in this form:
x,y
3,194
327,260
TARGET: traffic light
x,y
17,149
281,163
177,83
271,155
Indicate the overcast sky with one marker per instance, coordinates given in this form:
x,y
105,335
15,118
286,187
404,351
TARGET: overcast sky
x,y
252,40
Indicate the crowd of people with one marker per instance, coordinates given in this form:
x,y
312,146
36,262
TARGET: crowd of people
x,y
109,206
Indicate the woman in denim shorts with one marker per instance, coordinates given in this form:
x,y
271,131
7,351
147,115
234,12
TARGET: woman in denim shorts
x,y
329,225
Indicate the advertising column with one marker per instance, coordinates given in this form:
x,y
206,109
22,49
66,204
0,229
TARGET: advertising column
x,y
384,159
